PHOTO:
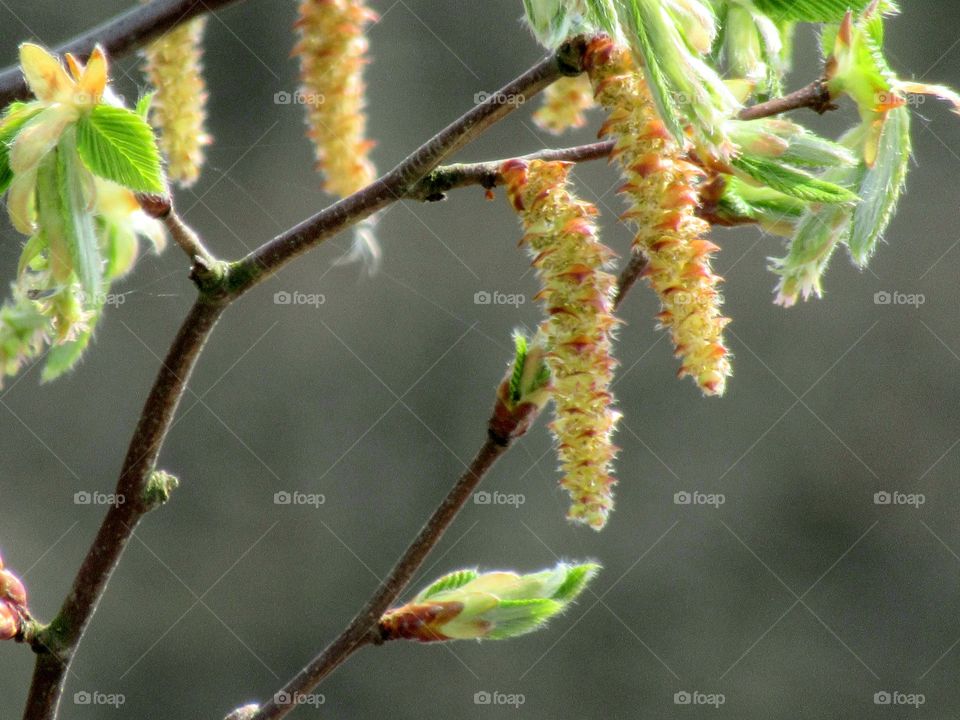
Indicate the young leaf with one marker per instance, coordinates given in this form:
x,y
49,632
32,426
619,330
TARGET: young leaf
x,y
881,186
74,183
143,105
466,605
452,581
14,119
62,358
792,181
809,10
118,145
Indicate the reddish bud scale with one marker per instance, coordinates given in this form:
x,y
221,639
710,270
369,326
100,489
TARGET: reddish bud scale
x,y
420,622
13,604
662,188
577,294
9,621
333,51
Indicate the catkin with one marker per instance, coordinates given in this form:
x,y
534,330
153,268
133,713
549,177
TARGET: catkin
x,y
662,189
333,51
564,105
561,235
179,107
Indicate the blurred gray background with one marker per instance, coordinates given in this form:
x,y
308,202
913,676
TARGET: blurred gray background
x,y
798,598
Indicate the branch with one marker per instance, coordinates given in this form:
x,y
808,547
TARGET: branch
x,y
56,644
395,185
435,185
364,628
119,36
815,96
220,285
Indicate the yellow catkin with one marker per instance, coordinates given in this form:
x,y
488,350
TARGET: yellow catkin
x,y
662,188
561,235
564,105
332,52
179,105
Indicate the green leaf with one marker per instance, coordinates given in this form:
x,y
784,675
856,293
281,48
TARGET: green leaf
x,y
774,211
117,144
16,116
578,576
73,181
32,250
809,10
520,359
792,181
63,358
519,617
881,187
603,15
632,17
452,581
144,104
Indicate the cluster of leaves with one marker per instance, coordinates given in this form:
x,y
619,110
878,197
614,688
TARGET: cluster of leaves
x,y
818,193
71,161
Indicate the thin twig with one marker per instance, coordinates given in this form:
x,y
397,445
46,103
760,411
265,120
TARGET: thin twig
x,y
56,644
119,36
364,629
815,96
393,186
436,184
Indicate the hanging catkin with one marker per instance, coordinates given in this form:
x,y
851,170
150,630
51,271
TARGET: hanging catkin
x,y
577,293
179,105
332,52
565,104
662,188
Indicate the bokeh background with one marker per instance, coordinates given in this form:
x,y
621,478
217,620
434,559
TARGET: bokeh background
x,y
799,597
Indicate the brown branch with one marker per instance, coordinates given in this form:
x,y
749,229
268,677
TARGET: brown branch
x,y
119,36
364,628
815,96
434,186
56,644
393,186
220,285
